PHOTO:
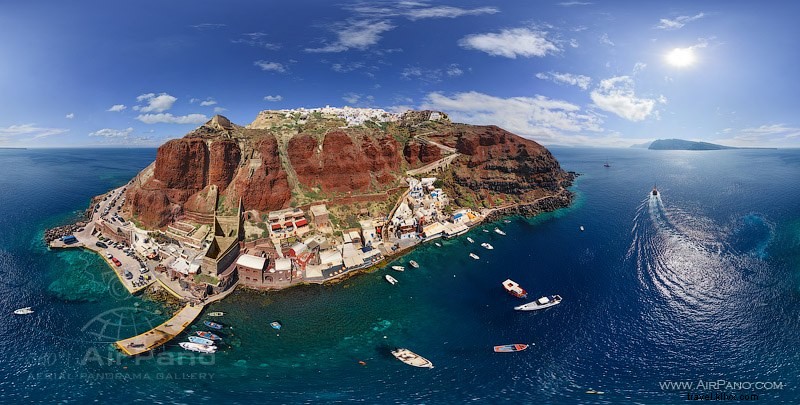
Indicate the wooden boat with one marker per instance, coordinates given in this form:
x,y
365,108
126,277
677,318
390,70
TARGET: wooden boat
x,y
514,289
398,268
390,279
517,347
276,325
411,358
207,335
212,325
216,313
202,341
474,256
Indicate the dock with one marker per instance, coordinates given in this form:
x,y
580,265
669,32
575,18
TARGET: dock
x,y
161,334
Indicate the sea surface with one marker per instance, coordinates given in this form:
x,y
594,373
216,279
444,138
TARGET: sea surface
x,y
696,286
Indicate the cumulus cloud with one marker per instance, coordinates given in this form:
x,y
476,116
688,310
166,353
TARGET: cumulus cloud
x,y
677,22
117,108
155,102
539,117
28,132
268,66
358,99
567,78
112,133
616,95
510,43
70,116
356,34
167,118
208,102
276,97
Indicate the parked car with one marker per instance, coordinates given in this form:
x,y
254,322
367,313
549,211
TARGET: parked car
x,y
116,261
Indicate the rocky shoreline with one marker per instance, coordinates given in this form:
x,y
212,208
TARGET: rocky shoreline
x,y
61,231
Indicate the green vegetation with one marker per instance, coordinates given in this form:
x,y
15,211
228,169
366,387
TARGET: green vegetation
x,y
205,278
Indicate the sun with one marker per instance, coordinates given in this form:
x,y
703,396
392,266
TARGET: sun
x,y
681,57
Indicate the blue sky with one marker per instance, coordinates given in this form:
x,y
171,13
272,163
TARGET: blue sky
x,y
593,73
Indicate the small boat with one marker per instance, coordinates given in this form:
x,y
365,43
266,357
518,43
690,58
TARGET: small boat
x,y
474,256
390,279
606,164
207,335
470,240
217,313
594,391
411,358
197,347
514,289
655,190
202,341
398,268
437,244
413,264
582,228
499,231
23,311
276,325
541,303
487,246
212,325
506,221
486,230
517,347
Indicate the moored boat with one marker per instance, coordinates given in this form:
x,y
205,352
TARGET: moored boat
x,y
207,335
216,313
398,268
202,341
517,347
413,264
499,231
212,325
411,358
541,303
487,246
470,240
514,289
276,325
437,244
390,279
23,311
474,256
197,347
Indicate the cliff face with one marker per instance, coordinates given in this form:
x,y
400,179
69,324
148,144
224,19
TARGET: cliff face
x,y
272,163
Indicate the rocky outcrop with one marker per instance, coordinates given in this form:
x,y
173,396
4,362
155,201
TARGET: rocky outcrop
x,y
419,154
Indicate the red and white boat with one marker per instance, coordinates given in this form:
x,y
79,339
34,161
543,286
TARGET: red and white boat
x,y
517,347
514,289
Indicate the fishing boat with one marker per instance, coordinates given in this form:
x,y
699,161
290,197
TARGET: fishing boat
x,y
517,347
276,325
398,268
212,325
413,264
487,246
514,289
474,256
606,164
23,311
390,279
202,341
207,335
217,313
499,231
437,244
541,303
411,358
197,347
470,240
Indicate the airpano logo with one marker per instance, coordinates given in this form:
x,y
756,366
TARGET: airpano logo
x,y
721,390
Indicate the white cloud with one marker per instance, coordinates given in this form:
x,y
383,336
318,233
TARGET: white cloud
x,y
276,97
31,131
454,70
567,78
573,43
257,39
773,135
219,110
351,98
511,43
573,3
270,66
677,22
167,118
347,67
70,116
112,133
356,34
117,108
539,117
155,103
605,40
208,26
358,99
616,95
447,12
208,102
416,10
638,67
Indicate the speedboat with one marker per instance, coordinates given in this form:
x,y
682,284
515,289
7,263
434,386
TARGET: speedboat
x,y
487,246
499,231
541,303
413,264
276,325
594,391
23,311
437,244
655,190
207,335
486,230
390,279
217,313
470,240
514,289
398,268
581,228
197,347
517,347
411,358
474,256
202,341
212,325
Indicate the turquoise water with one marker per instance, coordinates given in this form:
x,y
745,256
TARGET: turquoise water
x,y
702,283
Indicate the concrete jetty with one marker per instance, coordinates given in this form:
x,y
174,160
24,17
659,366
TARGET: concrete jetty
x,y
161,334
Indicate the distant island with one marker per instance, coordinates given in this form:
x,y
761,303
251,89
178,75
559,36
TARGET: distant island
x,y
681,144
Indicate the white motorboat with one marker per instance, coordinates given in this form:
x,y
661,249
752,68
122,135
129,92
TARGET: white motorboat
x,y
390,279
198,347
487,246
23,311
437,244
413,264
541,303
398,268
474,256
499,231
582,228
411,358
470,240
486,230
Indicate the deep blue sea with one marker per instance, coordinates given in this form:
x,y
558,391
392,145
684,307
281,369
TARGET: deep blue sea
x,y
697,286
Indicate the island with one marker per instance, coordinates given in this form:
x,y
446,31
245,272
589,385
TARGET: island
x,y
305,196
681,144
